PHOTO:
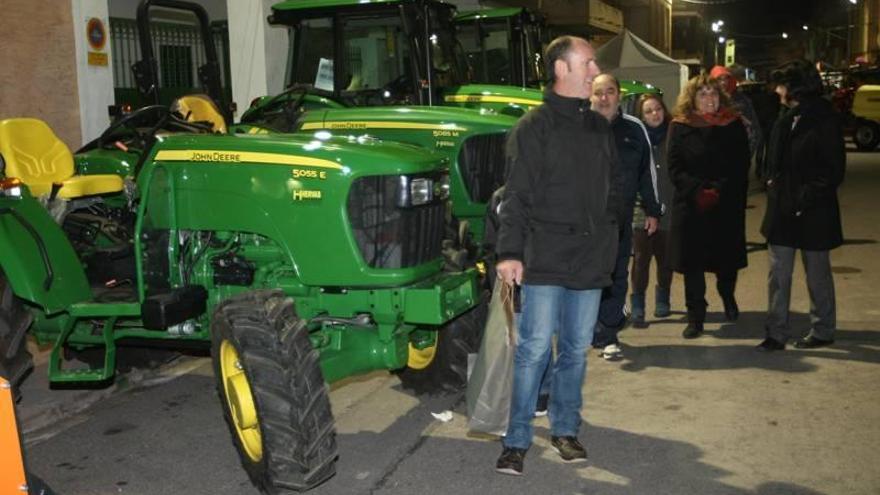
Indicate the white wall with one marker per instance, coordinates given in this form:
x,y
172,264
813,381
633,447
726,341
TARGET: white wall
x,y
257,51
128,8
94,83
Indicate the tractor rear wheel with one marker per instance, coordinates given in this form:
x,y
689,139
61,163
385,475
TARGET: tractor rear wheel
x,y
273,394
443,367
15,360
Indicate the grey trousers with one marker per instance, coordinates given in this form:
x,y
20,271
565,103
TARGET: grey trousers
x,y
820,283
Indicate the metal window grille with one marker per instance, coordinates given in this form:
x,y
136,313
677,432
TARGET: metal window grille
x,y
179,51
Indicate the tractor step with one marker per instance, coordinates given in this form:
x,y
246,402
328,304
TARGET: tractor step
x,y
162,310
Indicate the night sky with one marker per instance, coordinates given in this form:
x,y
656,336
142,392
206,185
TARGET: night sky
x,y
770,17
757,26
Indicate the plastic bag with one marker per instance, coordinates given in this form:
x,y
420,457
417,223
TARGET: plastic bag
x,y
491,380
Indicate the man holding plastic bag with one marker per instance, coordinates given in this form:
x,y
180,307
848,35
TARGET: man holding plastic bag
x,y
558,239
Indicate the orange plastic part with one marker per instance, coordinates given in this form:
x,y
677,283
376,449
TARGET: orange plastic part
x,y
12,480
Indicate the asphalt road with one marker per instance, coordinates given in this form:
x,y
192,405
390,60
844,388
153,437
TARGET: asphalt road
x,y
171,439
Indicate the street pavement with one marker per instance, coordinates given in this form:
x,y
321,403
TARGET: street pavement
x,y
707,416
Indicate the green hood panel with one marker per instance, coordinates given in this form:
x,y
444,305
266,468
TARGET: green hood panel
x,y
413,118
349,156
505,100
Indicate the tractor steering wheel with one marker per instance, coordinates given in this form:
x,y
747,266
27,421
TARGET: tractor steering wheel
x,y
159,115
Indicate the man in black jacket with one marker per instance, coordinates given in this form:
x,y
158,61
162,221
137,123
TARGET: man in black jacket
x,y
558,239
639,176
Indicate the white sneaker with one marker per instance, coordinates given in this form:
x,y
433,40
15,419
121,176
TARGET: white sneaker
x,y
612,352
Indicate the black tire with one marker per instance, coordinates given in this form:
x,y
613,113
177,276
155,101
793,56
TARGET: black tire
x,y
447,372
15,319
295,426
867,135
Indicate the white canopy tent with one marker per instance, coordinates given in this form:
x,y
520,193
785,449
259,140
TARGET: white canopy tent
x,y
629,57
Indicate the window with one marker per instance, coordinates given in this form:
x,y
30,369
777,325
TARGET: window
x,y
314,53
176,66
377,54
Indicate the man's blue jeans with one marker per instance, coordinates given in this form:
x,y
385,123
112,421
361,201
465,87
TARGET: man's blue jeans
x,y
571,314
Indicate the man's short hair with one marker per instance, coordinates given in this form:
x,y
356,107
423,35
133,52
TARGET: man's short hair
x,y
609,76
556,50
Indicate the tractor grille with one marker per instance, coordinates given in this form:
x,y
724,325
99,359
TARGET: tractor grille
x,y
482,165
390,235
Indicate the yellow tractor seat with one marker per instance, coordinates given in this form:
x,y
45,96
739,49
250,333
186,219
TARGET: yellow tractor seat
x,y
200,108
34,154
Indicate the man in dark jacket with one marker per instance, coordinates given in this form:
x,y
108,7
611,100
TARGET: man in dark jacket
x,y
639,176
806,161
558,239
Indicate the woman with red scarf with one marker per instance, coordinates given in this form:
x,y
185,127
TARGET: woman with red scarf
x,y
709,162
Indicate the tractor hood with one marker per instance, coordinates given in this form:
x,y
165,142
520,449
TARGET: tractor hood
x,y
439,120
506,100
349,155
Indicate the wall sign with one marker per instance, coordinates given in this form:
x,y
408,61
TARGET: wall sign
x,y
96,35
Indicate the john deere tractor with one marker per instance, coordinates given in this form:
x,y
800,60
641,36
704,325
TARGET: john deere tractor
x,y
298,260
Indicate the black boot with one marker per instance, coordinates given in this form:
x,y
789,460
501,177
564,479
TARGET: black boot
x,y
731,310
637,302
693,330
661,302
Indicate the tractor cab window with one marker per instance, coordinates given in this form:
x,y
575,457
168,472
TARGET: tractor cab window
x,y
533,37
376,60
313,54
448,58
485,43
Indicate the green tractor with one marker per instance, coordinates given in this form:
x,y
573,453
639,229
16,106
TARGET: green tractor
x,y
346,53
299,261
168,229
401,59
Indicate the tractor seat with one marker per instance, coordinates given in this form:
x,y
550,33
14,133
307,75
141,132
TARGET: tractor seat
x,y
200,108
34,154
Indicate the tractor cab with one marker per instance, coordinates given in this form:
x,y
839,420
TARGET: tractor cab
x,y
504,46
372,54
396,52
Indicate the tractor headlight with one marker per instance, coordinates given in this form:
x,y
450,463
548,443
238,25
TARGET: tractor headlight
x,y
421,190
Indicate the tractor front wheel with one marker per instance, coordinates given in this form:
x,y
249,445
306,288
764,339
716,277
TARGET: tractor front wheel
x,y
443,367
15,360
273,394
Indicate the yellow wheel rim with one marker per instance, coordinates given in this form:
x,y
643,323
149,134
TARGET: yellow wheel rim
x,y
419,359
240,401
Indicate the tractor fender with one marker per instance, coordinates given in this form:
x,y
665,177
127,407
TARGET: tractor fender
x,y
37,258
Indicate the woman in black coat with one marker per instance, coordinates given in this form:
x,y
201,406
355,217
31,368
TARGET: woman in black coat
x,y
709,162
806,160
